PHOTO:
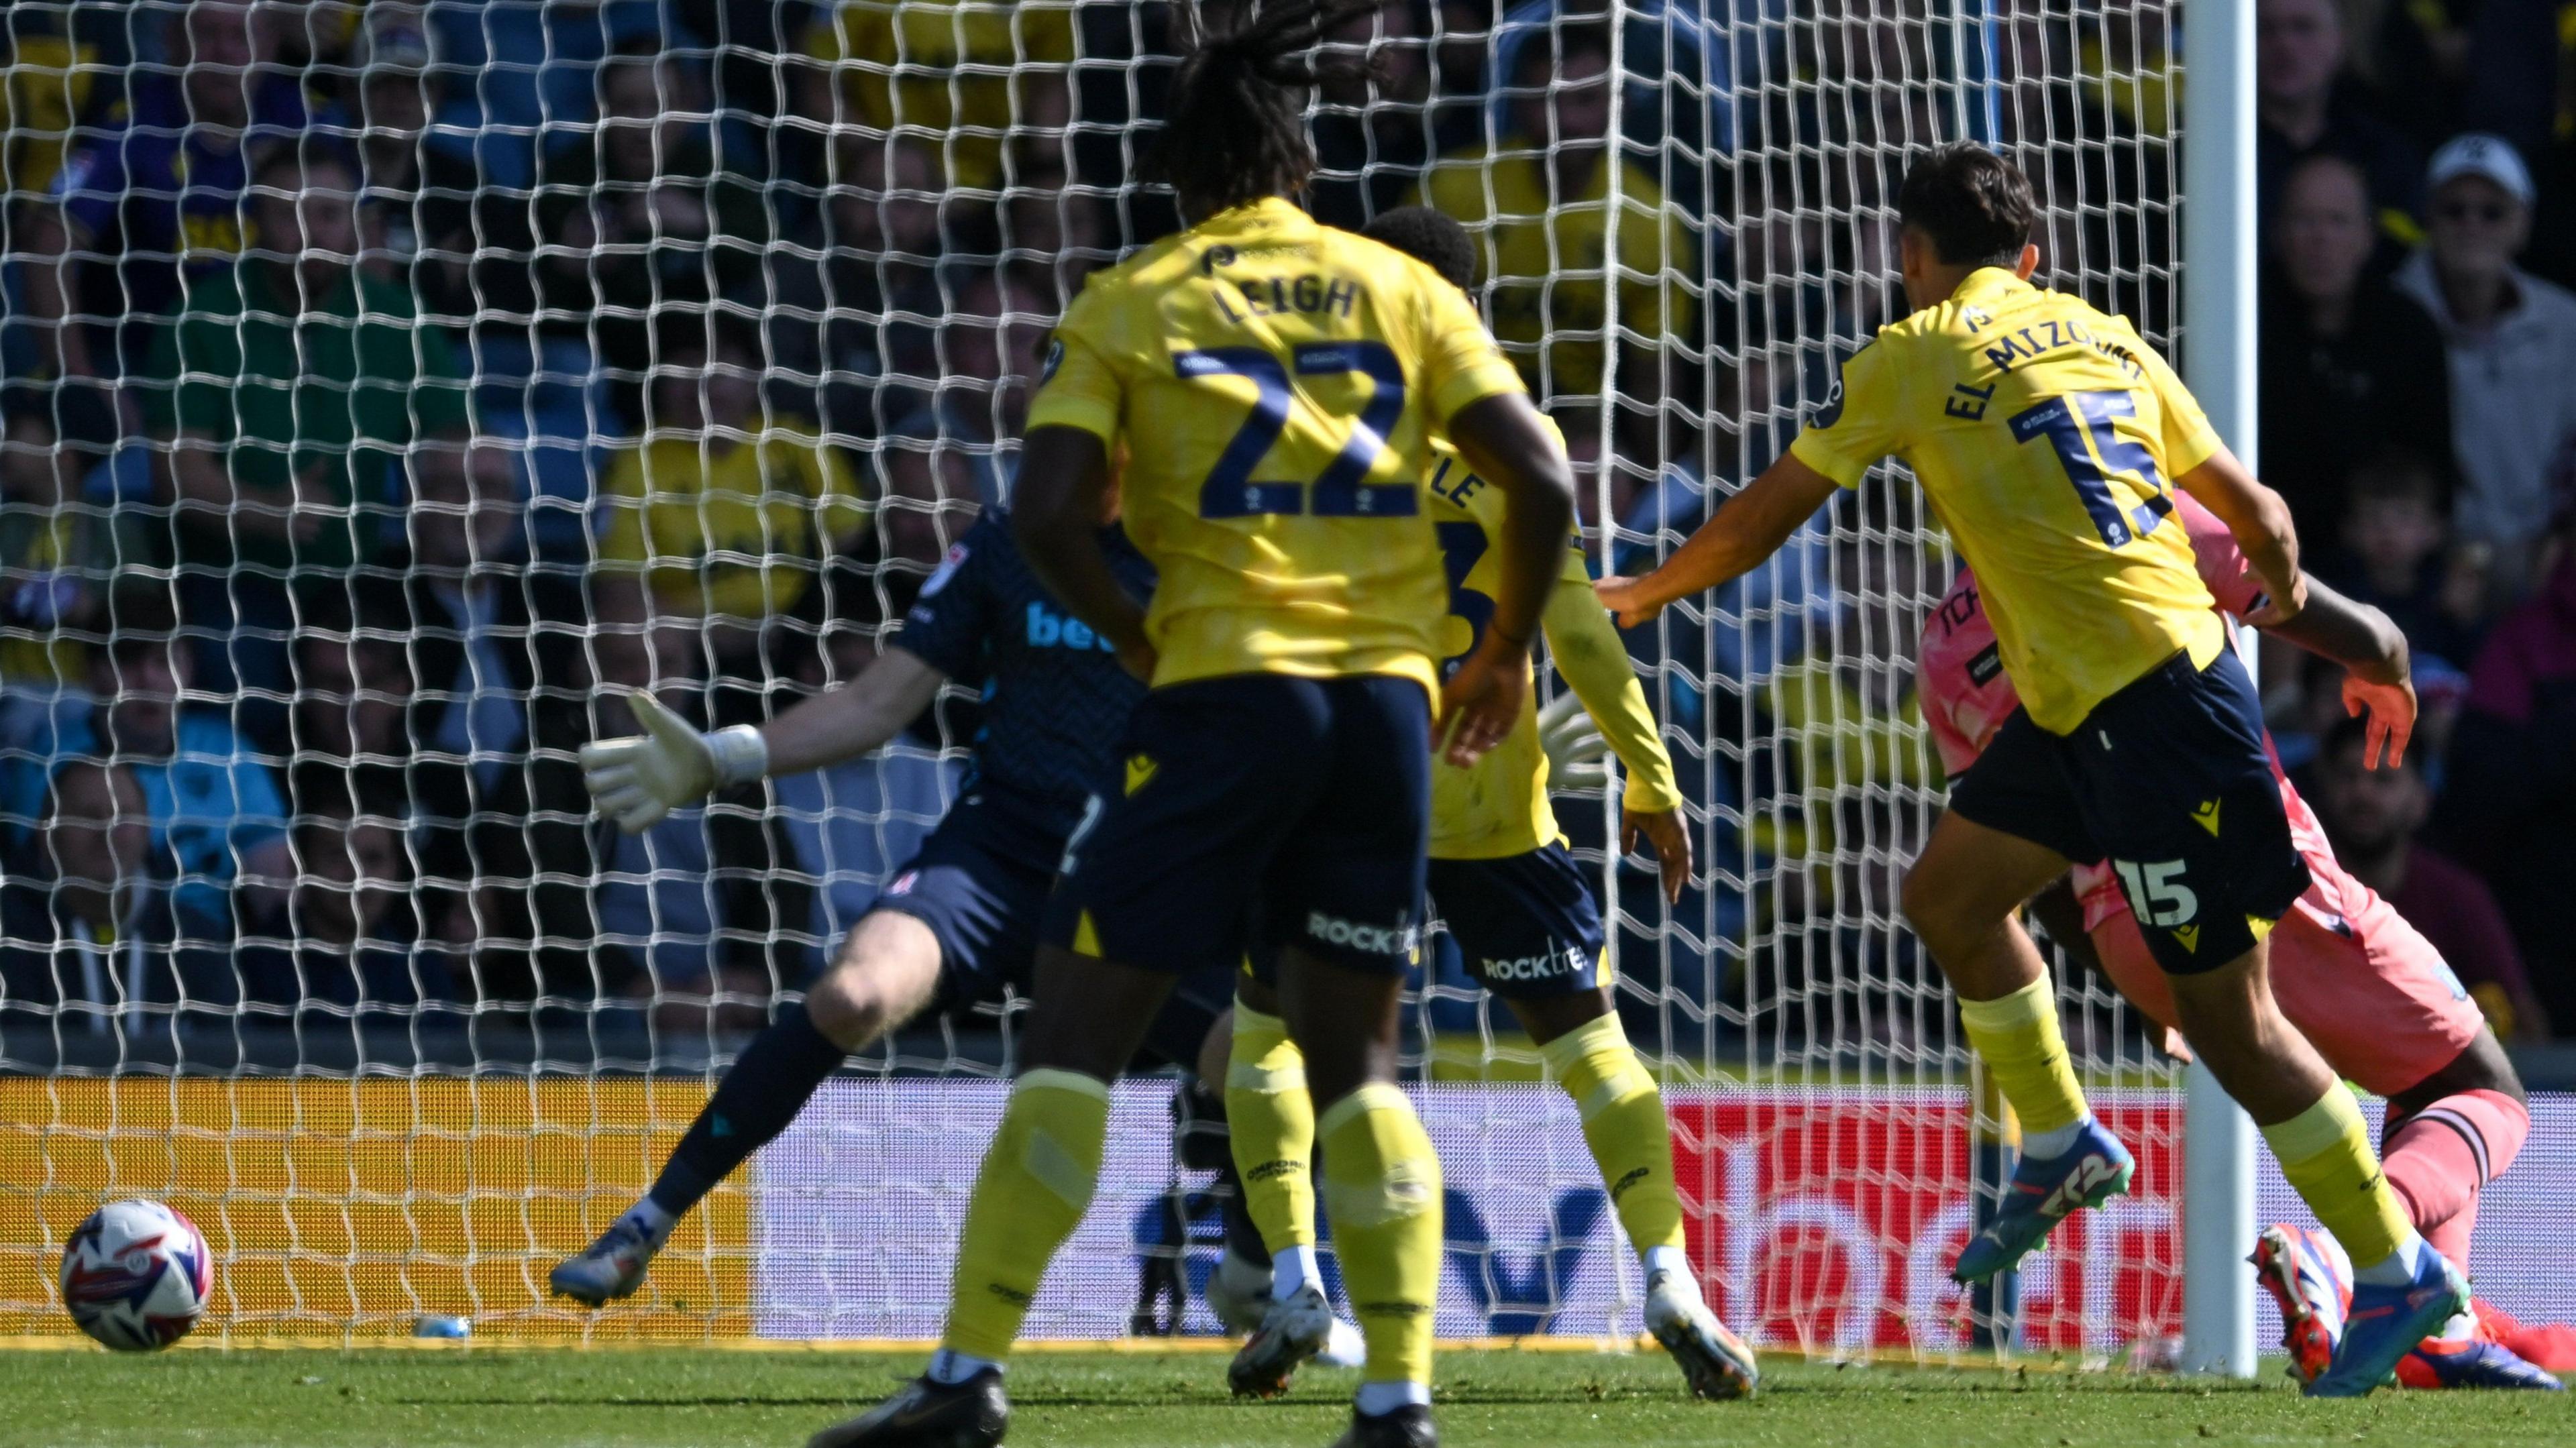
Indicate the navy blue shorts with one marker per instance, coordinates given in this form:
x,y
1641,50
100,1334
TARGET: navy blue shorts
x,y
1526,925
1259,811
980,883
2170,780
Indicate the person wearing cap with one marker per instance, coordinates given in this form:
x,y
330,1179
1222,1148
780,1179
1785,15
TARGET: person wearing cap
x,y
2511,341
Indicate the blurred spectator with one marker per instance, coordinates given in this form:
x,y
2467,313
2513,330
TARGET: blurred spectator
x,y
153,200
1372,131
990,346
357,949
417,212
2511,791
2350,369
2512,340
1540,198
2306,110
154,808
970,74
723,530
640,225
843,286
63,62
58,554
305,396
2392,554
2372,816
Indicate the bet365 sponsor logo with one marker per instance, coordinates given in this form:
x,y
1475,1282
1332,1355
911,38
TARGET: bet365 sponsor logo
x,y
1049,629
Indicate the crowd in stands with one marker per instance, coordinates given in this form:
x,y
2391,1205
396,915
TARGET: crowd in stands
x,y
384,388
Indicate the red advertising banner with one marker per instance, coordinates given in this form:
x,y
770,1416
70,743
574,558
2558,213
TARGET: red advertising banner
x,y
1829,1219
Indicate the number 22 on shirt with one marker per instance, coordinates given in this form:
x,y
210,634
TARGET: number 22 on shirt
x,y
1341,490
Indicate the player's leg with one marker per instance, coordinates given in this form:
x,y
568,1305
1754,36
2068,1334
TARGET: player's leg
x,y
1381,1178
2446,1137
2006,836
1157,883
1342,902
1530,932
887,972
2449,1135
2179,789
1089,1018
1271,1122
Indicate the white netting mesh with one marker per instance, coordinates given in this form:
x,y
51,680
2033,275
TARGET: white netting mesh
x,y
425,370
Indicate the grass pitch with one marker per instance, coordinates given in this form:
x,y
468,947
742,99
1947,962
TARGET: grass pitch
x,y
488,1396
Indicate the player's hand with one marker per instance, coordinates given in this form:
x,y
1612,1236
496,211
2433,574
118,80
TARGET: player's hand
x,y
1670,835
2391,710
2280,605
1628,599
1484,700
1573,745
638,780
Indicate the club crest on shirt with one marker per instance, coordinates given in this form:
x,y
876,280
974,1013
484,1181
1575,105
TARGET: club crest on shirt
x,y
946,570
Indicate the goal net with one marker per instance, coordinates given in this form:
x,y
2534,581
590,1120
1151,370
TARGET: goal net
x,y
390,386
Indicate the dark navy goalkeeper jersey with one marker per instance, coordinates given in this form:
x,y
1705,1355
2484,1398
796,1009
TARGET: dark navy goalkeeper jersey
x,y
1055,700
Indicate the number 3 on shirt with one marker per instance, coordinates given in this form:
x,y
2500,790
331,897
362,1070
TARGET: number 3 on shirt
x,y
1337,492
2066,422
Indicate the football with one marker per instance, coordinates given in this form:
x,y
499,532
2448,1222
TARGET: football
x,y
137,1275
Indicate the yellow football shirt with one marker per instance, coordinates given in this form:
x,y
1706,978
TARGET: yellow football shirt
x,y
2047,436
1274,383
1498,807
945,71
728,529
1545,254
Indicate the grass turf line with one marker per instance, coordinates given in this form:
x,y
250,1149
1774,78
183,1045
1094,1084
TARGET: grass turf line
x,y
323,1399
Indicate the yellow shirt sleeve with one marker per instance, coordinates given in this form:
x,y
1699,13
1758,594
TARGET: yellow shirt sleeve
x,y
1461,363
1587,651
1079,386
1857,425
2188,439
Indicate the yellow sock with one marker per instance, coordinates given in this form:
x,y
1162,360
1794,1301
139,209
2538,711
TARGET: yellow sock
x,y
1272,1125
1029,1196
1623,1121
2325,1153
1382,1183
2018,1039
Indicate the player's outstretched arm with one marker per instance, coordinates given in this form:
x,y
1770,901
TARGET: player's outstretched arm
x,y
2377,666
1749,528
2260,523
1595,664
1505,440
641,778
1056,512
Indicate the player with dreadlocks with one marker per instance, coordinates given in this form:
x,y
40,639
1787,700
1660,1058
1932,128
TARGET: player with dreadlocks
x,y
1273,385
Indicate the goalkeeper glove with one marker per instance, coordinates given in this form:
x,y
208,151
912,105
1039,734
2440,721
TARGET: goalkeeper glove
x,y
638,780
1573,745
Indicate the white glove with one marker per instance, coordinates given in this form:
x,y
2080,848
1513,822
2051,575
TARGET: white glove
x,y
638,780
1573,745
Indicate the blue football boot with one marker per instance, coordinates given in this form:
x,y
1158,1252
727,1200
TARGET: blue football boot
x,y
2042,1191
2386,1323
